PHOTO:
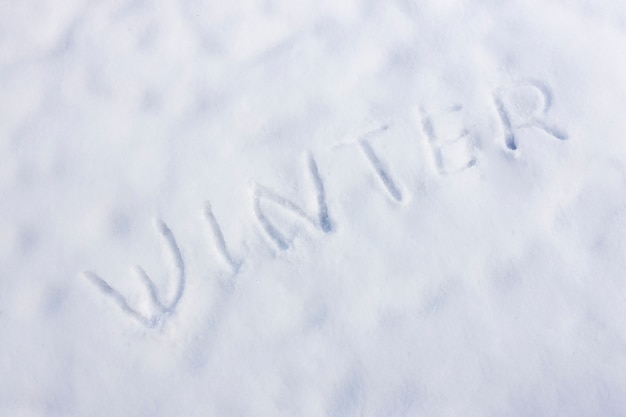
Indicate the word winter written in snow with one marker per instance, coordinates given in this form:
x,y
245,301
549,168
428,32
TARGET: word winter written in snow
x,y
521,106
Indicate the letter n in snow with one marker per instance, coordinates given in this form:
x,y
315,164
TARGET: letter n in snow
x,y
319,219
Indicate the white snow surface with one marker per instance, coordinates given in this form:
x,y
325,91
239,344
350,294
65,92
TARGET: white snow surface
x,y
312,208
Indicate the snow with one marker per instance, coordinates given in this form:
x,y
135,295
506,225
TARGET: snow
x,y
312,208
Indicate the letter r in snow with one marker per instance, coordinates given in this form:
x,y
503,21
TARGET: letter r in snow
x,y
523,106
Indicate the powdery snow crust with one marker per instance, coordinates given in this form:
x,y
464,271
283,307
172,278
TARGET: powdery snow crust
x,y
322,208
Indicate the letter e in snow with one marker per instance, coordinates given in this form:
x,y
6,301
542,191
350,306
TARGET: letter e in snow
x,y
453,148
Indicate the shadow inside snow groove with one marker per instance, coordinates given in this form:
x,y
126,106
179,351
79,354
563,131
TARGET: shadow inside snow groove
x,y
378,166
